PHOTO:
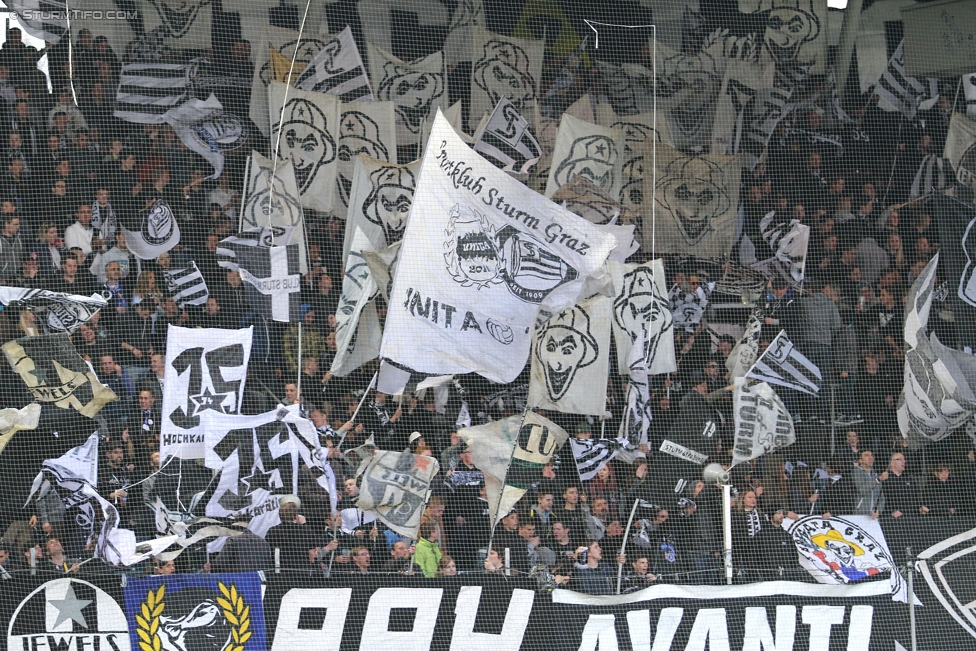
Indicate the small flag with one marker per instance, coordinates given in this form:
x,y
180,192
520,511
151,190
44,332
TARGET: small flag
x,y
187,285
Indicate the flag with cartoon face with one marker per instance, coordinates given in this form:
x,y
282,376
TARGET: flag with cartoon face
x,y
504,68
395,487
640,133
585,150
470,304
417,89
380,201
570,360
304,128
468,15
696,201
272,201
367,128
641,308
358,333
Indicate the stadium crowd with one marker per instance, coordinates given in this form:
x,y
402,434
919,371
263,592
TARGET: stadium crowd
x,y
70,165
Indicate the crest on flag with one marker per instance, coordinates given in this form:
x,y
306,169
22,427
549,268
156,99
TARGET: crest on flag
x,y
56,374
417,90
395,487
180,17
641,310
206,369
782,364
58,312
570,359
206,129
507,141
158,232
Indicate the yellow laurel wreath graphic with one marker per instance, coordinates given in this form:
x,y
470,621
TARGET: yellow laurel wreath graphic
x,y
147,620
237,613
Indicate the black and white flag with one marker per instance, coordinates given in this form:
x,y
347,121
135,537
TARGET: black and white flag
x,y
506,140
56,312
637,412
592,454
789,241
395,487
271,274
365,128
504,67
762,423
156,232
207,130
358,334
417,89
468,15
960,148
338,70
782,364
746,350
188,24
206,369
585,150
187,285
43,19
147,91
930,177
380,201
900,92
272,199
642,312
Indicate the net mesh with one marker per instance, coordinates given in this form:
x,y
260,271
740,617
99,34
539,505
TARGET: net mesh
x,y
449,317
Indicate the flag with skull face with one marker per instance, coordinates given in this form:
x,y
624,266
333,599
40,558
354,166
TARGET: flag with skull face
x,y
367,128
696,198
571,358
271,200
504,67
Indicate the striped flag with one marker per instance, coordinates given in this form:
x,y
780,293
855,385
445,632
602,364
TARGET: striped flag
x,y
338,69
148,90
784,365
187,285
506,140
592,454
270,273
43,19
899,91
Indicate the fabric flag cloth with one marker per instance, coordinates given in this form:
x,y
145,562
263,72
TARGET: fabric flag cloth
x,y
187,24
596,206
789,240
74,478
468,15
104,220
304,129
640,133
512,453
147,91
271,274
762,423
260,459
506,252
969,89
380,201
504,67
187,286
382,266
931,176
782,364
507,141
571,358
206,369
56,374
636,423
742,86
938,395
337,70
272,199
688,307
57,312
358,333
956,220
746,350
395,487
585,150
592,455
696,201
641,308
845,549
367,128
900,92
417,90
960,149
158,232
12,420
43,19
207,130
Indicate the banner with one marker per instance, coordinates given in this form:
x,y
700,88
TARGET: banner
x,y
56,374
636,423
630,87
395,487
337,70
357,332
697,198
56,312
207,130
271,274
158,232
571,358
641,305
960,149
206,369
380,201
468,15
746,350
585,150
789,240
762,423
507,141
782,364
506,252
512,453
367,128
147,91
304,128
504,68
272,199
417,90
901,93
187,286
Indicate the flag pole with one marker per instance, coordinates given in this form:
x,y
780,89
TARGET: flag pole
x,y
361,401
623,546
299,383
501,491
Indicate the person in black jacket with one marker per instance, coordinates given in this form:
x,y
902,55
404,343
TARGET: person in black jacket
x,y
839,495
292,537
902,507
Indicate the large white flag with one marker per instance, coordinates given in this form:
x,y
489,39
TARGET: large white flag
x,y
587,151
305,133
512,453
641,307
358,334
762,423
271,199
640,135
504,68
571,358
367,128
417,89
468,15
206,369
481,254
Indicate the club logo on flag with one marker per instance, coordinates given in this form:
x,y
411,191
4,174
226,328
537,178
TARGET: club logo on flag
x,y
178,17
158,224
358,134
258,207
221,131
841,550
68,612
